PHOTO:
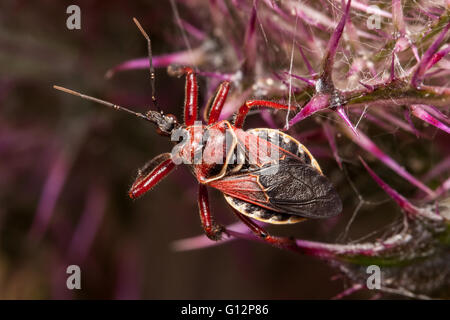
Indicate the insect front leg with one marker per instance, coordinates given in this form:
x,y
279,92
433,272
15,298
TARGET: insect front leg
x,y
212,230
245,108
260,232
215,108
191,93
152,173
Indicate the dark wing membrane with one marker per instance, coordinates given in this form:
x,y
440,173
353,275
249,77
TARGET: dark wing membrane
x,y
299,189
289,187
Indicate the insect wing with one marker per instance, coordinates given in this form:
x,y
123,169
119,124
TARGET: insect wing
x,y
299,189
245,187
296,188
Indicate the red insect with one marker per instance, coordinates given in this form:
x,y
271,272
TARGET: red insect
x,y
264,174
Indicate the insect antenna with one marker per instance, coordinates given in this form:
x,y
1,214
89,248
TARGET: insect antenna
x,y
151,68
106,103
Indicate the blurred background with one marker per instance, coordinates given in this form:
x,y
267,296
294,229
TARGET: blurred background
x,y
66,165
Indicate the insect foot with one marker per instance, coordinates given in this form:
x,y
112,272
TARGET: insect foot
x,y
216,232
283,242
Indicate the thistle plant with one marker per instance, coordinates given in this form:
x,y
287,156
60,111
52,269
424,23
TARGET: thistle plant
x,y
347,83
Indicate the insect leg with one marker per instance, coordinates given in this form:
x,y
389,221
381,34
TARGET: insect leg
x,y
260,232
212,230
191,93
245,108
218,102
152,173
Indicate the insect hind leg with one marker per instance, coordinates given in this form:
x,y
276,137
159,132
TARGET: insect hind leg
x,y
283,242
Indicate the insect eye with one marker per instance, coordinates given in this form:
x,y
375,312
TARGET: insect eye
x,y
172,118
166,124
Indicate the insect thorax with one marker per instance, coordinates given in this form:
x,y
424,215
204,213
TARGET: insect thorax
x,y
207,149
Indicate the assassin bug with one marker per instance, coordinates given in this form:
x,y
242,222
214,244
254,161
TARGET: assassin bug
x,y
283,184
